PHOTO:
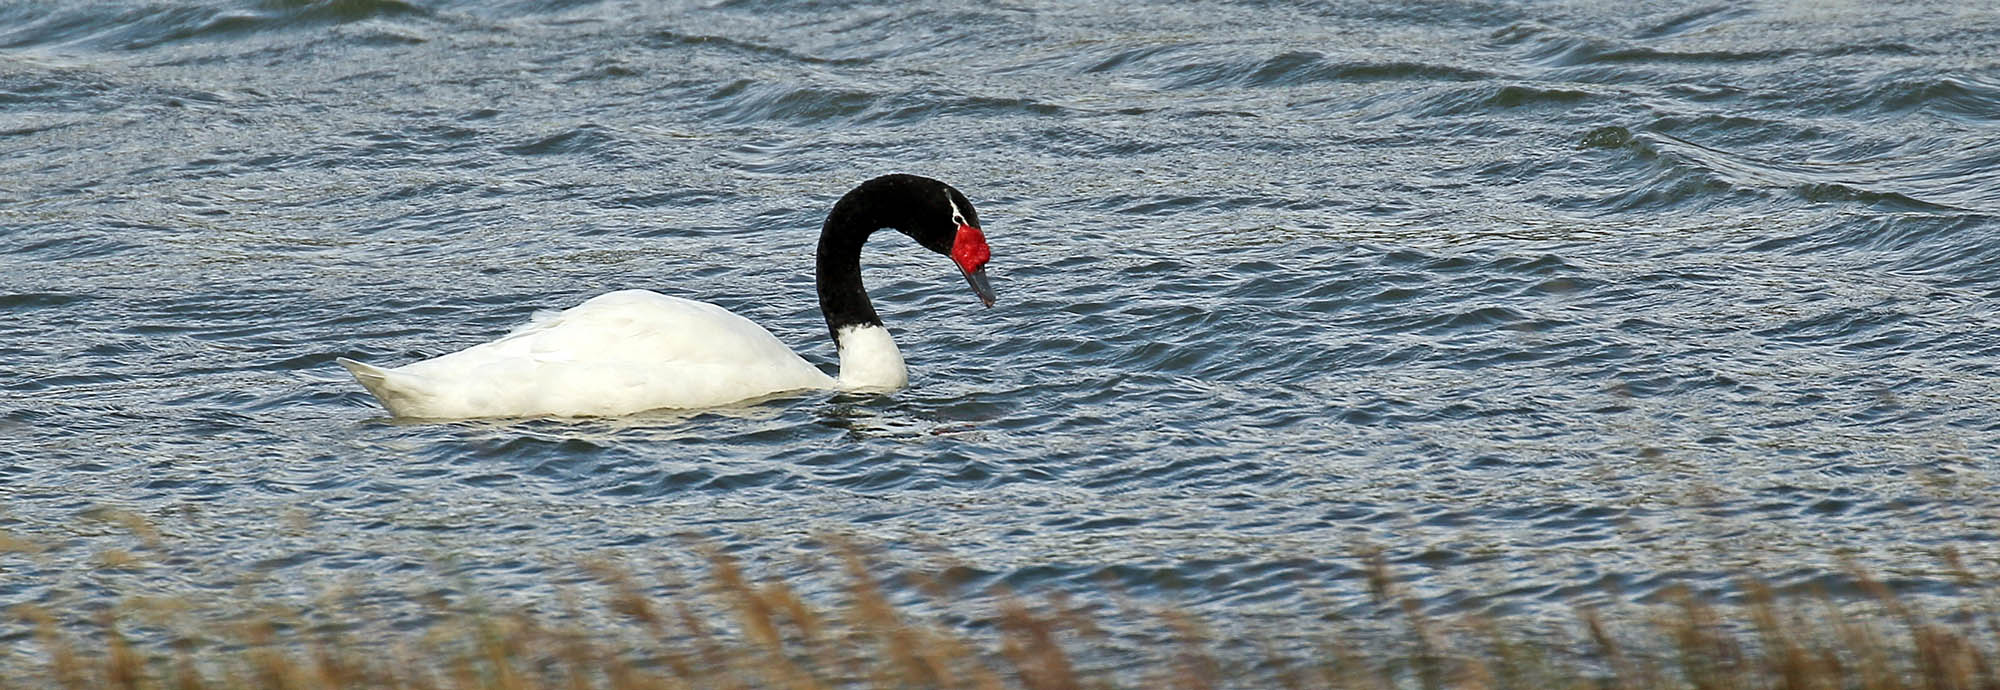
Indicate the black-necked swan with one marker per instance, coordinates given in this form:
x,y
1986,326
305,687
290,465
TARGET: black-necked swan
x,y
636,350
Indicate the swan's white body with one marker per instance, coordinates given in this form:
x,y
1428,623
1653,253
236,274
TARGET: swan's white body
x,y
620,353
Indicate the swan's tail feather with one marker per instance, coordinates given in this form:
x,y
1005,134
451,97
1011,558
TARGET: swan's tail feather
x,y
370,376
380,383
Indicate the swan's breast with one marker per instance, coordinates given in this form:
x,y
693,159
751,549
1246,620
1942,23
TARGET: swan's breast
x,y
869,359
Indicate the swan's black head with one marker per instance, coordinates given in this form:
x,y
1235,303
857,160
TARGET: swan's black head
x,y
937,217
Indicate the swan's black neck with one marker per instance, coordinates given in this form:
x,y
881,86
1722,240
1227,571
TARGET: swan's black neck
x,y
929,211
837,273
837,270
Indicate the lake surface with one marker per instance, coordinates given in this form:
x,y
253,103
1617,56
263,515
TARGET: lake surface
x,y
1554,303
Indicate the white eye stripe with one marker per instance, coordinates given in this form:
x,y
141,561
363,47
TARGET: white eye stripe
x,y
957,216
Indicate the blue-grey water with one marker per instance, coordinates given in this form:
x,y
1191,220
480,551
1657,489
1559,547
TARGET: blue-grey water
x,y
1554,302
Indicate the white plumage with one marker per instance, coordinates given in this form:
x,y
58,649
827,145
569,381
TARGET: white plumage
x,y
617,353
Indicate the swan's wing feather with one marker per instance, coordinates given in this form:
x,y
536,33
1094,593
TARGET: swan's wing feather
x,y
617,353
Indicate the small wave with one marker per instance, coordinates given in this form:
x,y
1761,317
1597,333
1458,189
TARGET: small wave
x,y
84,245
1172,68
1605,58
48,125
1131,56
1956,96
1306,68
1953,247
583,139
1482,99
906,108
1552,47
668,39
1516,96
1073,140
1692,20
37,300
1428,13
137,28
745,102
1925,184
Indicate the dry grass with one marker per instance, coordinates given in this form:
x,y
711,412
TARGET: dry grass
x,y
736,631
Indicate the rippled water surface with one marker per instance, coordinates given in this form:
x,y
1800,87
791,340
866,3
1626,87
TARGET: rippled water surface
x,y
1547,300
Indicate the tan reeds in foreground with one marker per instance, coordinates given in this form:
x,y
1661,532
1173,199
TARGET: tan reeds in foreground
x,y
737,632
